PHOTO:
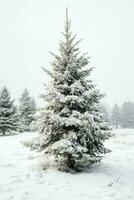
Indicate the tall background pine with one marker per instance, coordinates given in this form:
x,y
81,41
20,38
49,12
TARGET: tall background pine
x,y
116,116
127,115
8,113
27,109
72,127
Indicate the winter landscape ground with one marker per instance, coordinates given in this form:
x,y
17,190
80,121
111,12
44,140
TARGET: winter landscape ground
x,y
22,179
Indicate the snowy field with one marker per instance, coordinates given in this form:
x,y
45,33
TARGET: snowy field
x,y
112,179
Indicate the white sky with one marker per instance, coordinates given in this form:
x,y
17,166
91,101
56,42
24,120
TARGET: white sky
x,y
29,29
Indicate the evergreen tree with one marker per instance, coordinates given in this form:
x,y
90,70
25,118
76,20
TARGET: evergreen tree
x,y
104,110
72,127
116,116
127,115
8,114
27,110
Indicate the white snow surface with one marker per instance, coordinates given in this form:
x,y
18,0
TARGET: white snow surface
x,y
22,179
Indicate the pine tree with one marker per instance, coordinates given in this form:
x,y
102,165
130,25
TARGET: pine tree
x,y
127,115
116,116
27,110
104,110
72,127
8,113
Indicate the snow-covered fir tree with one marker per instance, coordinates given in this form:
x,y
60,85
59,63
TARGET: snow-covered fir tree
x,y
72,128
27,109
127,115
116,116
104,110
8,113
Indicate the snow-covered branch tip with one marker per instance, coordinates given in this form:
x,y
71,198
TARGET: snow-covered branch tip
x,y
47,71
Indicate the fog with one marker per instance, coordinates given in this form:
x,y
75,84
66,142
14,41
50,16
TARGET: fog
x,y
29,29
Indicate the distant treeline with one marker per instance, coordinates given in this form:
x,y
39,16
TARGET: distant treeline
x,y
121,116
23,117
16,117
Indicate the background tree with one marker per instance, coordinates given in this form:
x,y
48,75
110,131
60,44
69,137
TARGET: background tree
x,y
127,115
116,116
8,113
105,112
72,127
27,109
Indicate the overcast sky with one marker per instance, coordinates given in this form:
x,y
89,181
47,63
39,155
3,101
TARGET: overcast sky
x,y
29,29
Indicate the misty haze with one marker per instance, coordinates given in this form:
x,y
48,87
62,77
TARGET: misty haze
x,y
66,100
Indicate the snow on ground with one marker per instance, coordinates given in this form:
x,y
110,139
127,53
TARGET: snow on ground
x,y
112,179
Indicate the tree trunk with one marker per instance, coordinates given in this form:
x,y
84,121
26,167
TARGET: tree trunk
x,y
4,132
70,163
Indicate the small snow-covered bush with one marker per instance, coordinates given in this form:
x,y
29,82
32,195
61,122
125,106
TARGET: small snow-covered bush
x,y
33,144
